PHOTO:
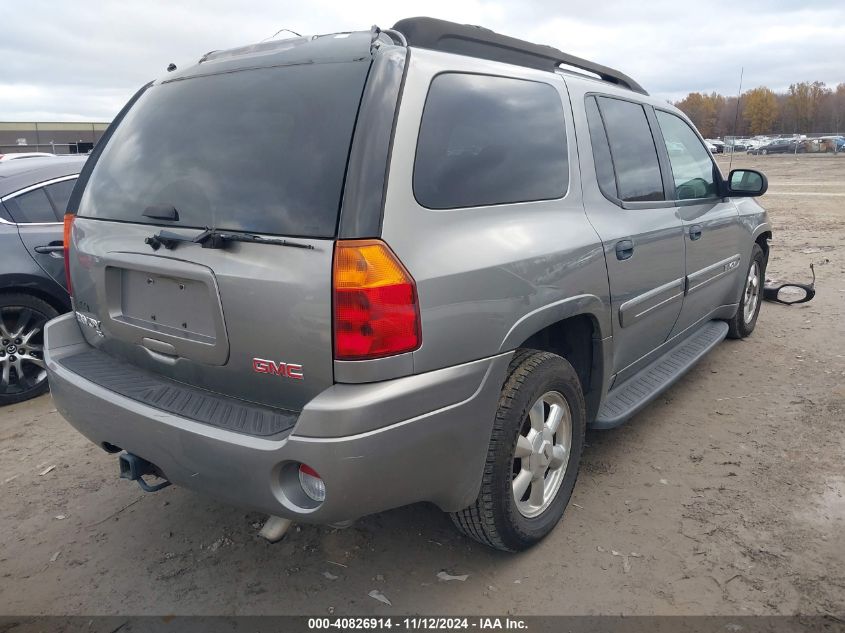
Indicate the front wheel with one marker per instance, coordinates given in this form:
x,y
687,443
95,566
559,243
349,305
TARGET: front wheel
x,y
533,456
743,322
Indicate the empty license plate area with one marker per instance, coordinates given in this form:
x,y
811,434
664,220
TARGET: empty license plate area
x,y
168,305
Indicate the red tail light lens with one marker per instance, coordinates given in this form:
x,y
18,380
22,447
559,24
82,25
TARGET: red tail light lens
x,y
376,313
66,235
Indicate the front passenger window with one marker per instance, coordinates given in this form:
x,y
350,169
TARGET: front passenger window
x,y
692,167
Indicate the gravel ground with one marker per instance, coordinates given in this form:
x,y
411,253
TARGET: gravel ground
x,y
725,496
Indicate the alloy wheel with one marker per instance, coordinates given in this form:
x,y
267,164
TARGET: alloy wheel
x,y
542,454
753,288
22,366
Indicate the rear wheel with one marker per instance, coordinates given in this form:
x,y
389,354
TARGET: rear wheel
x,y
23,374
743,322
533,457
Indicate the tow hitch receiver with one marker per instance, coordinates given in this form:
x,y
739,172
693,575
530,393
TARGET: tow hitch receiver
x,y
134,468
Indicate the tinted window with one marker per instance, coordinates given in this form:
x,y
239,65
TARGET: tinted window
x,y
261,150
490,140
601,150
692,168
60,194
632,147
4,214
33,206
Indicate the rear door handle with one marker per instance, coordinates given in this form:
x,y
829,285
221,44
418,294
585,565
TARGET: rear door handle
x,y
624,249
695,232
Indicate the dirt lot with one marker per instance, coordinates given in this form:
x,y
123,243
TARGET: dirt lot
x,y
726,496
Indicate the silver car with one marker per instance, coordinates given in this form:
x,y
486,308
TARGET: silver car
x,y
427,260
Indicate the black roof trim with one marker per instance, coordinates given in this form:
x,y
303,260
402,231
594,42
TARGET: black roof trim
x,y
476,41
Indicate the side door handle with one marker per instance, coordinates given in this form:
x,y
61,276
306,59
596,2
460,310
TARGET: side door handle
x,y
52,247
695,232
624,249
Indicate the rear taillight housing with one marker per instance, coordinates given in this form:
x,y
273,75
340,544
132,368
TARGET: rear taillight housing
x,y
66,237
376,312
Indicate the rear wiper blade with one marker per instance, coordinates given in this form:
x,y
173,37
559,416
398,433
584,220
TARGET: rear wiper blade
x,y
212,238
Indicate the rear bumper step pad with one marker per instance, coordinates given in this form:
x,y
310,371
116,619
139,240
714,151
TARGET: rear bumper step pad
x,y
179,399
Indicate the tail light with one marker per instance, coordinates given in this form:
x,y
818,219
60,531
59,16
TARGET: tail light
x,y
66,235
376,313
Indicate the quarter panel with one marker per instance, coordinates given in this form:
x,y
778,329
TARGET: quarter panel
x,y
481,270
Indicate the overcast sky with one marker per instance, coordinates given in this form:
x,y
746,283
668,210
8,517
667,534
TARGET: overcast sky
x,y
63,60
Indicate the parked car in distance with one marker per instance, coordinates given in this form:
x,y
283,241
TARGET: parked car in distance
x,y
777,146
5,158
831,144
719,145
468,260
33,199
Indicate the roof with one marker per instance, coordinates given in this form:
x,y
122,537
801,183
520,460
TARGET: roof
x,y
19,174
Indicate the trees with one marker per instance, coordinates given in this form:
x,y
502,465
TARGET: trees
x,y
804,99
702,111
806,107
760,110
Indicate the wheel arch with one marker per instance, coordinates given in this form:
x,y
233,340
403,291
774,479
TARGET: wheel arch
x,y
579,339
762,237
36,287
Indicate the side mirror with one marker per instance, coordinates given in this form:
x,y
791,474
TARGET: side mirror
x,y
789,293
747,183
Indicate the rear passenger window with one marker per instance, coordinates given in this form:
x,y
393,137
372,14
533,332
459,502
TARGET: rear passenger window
x,y
60,194
632,147
33,206
490,140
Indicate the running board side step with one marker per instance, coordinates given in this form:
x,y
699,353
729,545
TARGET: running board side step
x,y
627,399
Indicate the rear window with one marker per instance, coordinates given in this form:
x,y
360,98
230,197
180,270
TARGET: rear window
x,y
490,140
60,194
262,150
33,206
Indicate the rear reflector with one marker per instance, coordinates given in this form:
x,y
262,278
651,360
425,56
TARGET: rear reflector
x,y
66,236
312,484
376,313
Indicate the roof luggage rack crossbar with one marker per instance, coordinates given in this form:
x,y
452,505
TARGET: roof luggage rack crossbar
x,y
476,41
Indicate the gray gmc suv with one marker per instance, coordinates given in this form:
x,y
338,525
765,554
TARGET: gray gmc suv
x,y
327,276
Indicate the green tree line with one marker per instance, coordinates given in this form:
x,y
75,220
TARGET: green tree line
x,y
806,108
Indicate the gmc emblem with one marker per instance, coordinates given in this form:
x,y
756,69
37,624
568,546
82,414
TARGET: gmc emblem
x,y
286,370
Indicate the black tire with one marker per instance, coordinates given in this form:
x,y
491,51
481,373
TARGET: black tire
x,y
35,312
742,325
494,519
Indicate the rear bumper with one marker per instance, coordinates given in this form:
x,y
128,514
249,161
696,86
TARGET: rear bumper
x,y
418,438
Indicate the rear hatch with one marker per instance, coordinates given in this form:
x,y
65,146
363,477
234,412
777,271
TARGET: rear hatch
x,y
244,147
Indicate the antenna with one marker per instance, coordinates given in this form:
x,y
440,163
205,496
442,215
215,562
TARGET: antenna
x,y
736,118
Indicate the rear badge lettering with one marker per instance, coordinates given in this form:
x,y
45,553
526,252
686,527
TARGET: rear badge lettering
x,y
286,370
91,322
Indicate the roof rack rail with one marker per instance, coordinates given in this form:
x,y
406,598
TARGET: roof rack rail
x,y
476,41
